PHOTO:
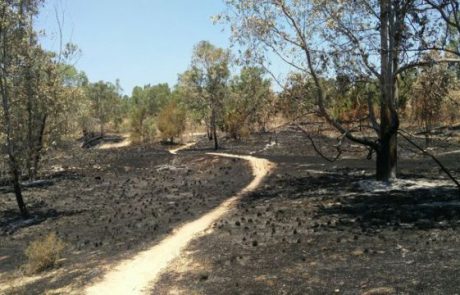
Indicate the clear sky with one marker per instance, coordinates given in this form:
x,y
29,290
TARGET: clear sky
x,y
137,41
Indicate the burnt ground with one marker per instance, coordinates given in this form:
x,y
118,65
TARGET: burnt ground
x,y
109,204
311,229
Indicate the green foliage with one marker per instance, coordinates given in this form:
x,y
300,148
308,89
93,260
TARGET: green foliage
x,y
249,104
351,99
144,105
297,97
37,90
204,86
105,102
171,121
193,95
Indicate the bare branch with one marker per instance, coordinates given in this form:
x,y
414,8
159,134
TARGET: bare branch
x,y
443,168
317,150
426,64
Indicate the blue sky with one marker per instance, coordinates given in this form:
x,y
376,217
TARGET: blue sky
x,y
137,41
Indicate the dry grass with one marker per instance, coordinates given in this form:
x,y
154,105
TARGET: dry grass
x,y
43,253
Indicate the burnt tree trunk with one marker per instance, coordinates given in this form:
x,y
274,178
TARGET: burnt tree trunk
x,y
387,157
18,193
214,129
387,151
38,147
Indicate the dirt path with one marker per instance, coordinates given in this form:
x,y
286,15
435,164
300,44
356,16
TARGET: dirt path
x,y
116,145
183,147
137,275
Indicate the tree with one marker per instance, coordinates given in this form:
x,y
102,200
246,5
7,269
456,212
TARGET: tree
x,y
74,111
15,42
171,121
295,100
366,40
205,84
249,103
429,94
145,104
105,100
449,13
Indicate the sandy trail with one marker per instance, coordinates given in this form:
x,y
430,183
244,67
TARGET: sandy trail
x,y
139,274
183,147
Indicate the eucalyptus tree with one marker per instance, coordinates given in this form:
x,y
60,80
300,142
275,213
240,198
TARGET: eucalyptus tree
x,y
296,100
105,99
15,43
364,39
205,84
449,12
145,104
250,101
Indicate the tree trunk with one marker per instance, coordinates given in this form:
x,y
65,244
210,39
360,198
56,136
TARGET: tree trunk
x,y
387,152
38,147
216,142
214,129
18,193
387,157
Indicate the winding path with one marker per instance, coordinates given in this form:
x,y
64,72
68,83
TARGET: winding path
x,y
138,274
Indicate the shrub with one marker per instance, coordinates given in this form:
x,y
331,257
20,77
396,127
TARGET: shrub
x,y
43,253
171,121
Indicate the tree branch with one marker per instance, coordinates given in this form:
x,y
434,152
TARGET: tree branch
x,y
331,160
443,168
426,64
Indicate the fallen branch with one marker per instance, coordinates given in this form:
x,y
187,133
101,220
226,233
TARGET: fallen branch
x,y
430,155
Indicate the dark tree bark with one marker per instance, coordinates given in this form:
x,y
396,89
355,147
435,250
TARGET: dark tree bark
x,y
387,151
214,129
38,147
387,158
18,194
